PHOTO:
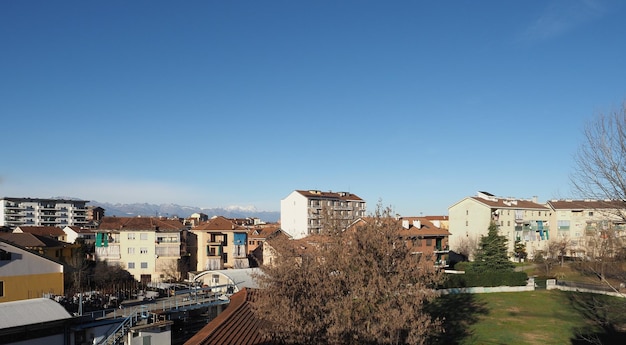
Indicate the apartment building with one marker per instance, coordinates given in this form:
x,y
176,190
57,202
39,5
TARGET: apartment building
x,y
582,222
428,237
303,212
517,219
151,249
219,243
42,212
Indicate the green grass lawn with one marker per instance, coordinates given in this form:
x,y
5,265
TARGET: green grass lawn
x,y
534,317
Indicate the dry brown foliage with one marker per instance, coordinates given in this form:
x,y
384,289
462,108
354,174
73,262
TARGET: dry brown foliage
x,y
358,286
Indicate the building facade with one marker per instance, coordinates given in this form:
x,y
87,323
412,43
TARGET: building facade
x,y
219,243
426,237
42,212
521,220
26,275
151,249
584,224
304,212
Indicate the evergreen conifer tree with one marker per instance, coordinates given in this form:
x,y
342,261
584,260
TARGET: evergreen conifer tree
x,y
492,253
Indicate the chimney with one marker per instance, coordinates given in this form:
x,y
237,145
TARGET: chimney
x,y
417,224
405,223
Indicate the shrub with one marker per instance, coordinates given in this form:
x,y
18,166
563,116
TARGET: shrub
x,y
487,279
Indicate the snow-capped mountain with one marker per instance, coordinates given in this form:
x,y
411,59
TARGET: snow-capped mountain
x,y
170,210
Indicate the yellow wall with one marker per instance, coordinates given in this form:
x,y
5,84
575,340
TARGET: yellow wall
x,y
31,286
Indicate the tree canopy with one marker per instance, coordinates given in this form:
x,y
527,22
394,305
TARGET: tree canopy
x,y
359,286
492,255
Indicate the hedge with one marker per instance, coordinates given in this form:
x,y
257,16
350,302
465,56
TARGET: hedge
x,y
486,279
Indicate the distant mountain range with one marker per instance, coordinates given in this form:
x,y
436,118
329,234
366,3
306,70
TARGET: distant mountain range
x,y
170,210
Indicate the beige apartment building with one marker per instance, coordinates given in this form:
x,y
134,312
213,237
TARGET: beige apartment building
x,y
582,222
151,249
219,243
517,219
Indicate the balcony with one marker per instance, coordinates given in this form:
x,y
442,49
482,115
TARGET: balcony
x,y
442,249
441,264
14,206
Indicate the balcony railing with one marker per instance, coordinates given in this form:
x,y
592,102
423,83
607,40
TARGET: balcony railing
x,y
442,249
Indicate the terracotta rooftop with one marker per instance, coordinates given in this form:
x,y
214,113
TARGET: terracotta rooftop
x,y
329,195
50,231
587,204
28,240
426,228
237,324
262,232
140,223
510,203
219,223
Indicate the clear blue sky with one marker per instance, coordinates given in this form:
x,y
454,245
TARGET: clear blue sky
x,y
221,103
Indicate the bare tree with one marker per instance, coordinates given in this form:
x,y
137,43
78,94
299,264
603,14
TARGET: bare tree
x,y
468,246
600,171
361,285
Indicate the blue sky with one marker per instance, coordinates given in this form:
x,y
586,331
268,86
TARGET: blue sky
x,y
220,103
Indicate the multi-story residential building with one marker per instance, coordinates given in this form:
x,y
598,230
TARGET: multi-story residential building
x,y
219,243
258,234
25,275
304,212
151,249
426,237
42,212
517,219
581,222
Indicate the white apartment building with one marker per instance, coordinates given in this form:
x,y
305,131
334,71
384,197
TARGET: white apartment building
x,y
151,249
303,211
580,222
517,219
16,212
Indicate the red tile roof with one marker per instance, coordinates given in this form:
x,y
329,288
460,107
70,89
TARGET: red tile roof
x,y
140,223
427,228
28,240
219,223
237,324
510,203
263,232
587,204
329,195
50,231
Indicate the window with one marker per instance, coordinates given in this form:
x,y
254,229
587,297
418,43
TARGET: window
x,y
130,236
131,250
429,242
143,236
143,250
1,288
590,213
508,223
131,265
466,223
5,256
144,265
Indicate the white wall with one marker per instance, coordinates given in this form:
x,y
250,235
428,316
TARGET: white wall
x,y
294,215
